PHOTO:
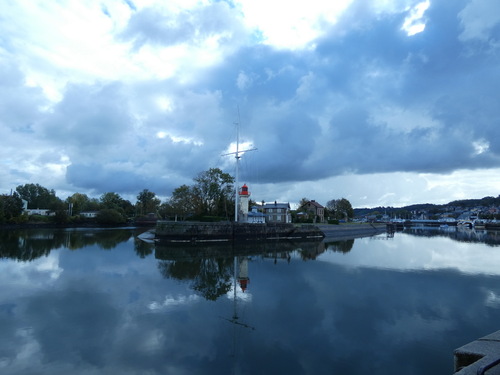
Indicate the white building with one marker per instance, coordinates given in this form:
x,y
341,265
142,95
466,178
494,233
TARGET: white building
x,y
39,211
88,214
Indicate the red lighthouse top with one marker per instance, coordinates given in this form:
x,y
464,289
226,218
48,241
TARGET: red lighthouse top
x,y
244,190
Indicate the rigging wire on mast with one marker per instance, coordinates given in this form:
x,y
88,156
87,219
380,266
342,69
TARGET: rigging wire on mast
x,y
237,157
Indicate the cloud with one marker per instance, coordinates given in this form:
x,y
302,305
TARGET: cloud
x,y
480,21
149,94
168,25
290,25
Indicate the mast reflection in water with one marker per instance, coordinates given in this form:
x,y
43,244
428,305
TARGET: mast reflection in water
x,y
102,302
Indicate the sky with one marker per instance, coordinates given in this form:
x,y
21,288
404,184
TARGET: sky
x,y
384,103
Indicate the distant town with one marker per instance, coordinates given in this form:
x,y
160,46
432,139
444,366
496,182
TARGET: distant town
x,y
487,208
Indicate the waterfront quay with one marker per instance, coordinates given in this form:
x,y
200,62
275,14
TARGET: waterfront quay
x,y
352,230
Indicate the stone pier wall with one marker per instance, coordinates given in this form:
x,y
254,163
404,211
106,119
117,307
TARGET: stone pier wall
x,y
354,230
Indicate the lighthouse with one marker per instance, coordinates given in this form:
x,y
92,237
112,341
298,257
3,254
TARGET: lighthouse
x,y
244,195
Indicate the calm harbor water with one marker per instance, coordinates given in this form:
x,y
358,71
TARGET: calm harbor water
x,y
104,302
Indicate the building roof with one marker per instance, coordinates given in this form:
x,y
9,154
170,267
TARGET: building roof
x,y
312,203
255,214
276,205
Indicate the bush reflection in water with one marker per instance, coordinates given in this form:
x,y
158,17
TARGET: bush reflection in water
x,y
111,303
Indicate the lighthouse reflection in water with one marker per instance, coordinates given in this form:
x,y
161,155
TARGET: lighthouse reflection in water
x,y
102,301
241,281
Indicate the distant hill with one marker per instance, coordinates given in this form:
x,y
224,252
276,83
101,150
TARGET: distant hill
x,y
433,208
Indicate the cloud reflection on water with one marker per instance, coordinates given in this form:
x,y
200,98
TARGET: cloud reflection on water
x,y
405,252
384,306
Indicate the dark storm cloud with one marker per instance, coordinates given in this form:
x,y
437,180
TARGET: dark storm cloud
x,y
344,83
356,77
89,119
19,105
97,177
111,135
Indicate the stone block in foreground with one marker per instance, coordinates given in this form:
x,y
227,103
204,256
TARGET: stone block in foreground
x,y
479,357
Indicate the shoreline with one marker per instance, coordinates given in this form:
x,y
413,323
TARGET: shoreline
x,y
71,226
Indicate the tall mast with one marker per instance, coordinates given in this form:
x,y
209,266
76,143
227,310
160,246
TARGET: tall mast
x,y
237,157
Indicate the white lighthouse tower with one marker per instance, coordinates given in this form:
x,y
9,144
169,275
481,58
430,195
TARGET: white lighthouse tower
x,y
244,195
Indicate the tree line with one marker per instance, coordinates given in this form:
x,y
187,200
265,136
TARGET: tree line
x,y
209,196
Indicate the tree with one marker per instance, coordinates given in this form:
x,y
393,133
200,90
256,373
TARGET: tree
x,y
212,192
92,205
112,204
11,206
147,202
303,201
181,202
340,209
331,206
79,203
110,216
39,197
111,201
61,216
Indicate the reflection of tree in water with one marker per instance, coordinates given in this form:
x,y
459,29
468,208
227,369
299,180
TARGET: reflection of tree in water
x,y
30,244
340,246
210,267
105,239
210,276
109,239
17,245
311,251
143,249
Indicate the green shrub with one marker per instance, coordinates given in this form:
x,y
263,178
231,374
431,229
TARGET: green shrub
x,y
61,217
39,218
110,216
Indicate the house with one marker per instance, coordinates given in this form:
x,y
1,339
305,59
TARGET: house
x,y
315,211
36,211
256,217
277,212
89,214
39,211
